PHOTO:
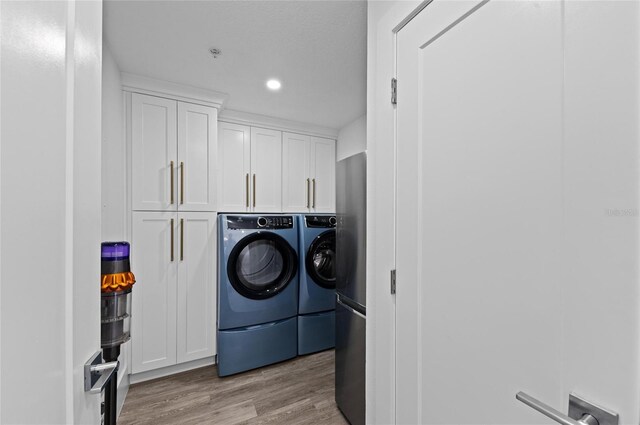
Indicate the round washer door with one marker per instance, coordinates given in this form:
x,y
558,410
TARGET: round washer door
x,y
321,259
261,265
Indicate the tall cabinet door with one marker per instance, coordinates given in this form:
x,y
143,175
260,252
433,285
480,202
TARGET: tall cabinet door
x,y
296,183
154,152
266,170
154,259
323,173
196,285
197,152
234,146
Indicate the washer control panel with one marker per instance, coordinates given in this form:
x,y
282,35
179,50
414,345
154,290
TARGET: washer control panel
x,y
325,221
260,222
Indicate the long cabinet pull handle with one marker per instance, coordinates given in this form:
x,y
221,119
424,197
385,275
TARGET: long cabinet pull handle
x,y
182,239
314,193
181,183
254,191
247,191
171,251
171,194
308,192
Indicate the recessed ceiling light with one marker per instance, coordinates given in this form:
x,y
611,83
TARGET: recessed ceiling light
x,y
273,85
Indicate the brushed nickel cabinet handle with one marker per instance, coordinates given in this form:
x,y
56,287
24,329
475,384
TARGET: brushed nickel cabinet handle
x,y
247,191
171,252
314,193
182,239
171,195
254,191
181,183
308,192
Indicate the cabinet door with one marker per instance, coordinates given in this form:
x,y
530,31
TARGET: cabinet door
x,y
296,183
234,149
197,152
266,170
154,152
153,314
196,285
323,175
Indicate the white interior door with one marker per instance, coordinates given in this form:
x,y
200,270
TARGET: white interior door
x,y
234,148
266,170
510,276
196,301
296,183
197,152
155,254
154,152
323,174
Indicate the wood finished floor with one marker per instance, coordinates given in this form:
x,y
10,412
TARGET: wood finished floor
x,y
298,391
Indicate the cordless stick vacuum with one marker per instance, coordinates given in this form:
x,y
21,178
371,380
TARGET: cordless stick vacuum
x,y
117,281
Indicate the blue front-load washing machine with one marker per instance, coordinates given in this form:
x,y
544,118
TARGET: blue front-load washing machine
x,y
317,302
257,291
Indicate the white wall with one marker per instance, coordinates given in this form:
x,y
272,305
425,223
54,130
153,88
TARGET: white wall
x,y
352,138
113,150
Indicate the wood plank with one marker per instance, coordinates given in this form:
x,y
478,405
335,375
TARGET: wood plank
x,y
298,391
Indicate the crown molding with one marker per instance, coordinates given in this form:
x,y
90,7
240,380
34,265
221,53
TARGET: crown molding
x,y
264,121
151,86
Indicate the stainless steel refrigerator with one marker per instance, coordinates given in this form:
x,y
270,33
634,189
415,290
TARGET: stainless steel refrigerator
x,y
351,286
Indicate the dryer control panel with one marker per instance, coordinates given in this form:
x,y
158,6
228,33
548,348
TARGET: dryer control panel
x,y
325,221
260,222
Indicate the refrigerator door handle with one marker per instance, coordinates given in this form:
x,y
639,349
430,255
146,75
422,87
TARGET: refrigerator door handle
x,y
348,307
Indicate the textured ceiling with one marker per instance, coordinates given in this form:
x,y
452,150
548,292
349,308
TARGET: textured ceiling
x,y
316,48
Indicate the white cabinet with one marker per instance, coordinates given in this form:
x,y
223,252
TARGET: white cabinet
x,y
154,151
266,170
308,174
234,147
153,313
197,153
250,176
174,149
322,168
196,286
173,312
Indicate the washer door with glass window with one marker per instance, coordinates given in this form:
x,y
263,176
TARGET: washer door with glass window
x,y
261,265
321,260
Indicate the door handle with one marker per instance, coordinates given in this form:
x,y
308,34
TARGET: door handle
x,y
171,194
247,191
254,191
181,183
581,412
308,192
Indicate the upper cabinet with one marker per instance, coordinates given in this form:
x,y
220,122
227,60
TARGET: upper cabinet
x,y
266,170
234,148
174,149
250,175
309,165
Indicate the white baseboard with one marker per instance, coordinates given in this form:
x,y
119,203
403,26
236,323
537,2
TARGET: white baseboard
x,y
171,370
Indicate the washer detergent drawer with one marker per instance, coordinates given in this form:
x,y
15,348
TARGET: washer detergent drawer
x,y
316,332
247,348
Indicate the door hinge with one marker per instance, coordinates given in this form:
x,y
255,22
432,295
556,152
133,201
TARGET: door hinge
x,y
393,281
394,91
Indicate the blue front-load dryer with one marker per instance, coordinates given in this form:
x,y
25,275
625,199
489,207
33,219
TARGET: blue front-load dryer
x,y
316,305
257,290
